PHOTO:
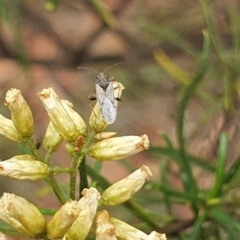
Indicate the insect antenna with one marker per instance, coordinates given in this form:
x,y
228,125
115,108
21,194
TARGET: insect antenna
x,y
112,66
86,68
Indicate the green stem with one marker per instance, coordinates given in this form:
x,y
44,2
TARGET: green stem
x,y
73,174
189,183
56,189
33,148
47,157
83,176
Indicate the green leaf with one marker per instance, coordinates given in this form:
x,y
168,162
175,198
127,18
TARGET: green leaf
x,y
222,152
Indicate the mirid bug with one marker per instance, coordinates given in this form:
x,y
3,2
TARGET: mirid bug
x,y
105,97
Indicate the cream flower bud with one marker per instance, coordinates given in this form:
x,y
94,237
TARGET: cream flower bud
x,y
104,135
105,230
81,226
96,122
118,88
22,215
21,114
3,236
8,129
118,147
123,190
24,167
52,139
63,219
126,231
65,120
156,236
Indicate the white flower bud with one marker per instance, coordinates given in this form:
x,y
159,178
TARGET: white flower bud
x,y
123,190
156,236
22,215
3,236
8,129
24,167
63,219
96,122
105,230
81,226
126,231
65,120
118,147
52,139
104,135
21,114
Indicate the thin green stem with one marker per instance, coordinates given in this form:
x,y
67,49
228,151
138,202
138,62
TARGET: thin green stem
x,y
83,176
189,183
73,173
77,161
33,148
56,189
47,157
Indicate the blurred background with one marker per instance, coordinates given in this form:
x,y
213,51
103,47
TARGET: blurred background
x,y
157,44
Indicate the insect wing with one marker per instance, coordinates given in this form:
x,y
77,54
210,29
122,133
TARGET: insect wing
x,y
106,101
108,111
110,93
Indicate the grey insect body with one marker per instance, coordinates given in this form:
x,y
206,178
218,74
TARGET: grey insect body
x,y
105,97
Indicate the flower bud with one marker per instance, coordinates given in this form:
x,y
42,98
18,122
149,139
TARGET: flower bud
x,y
22,215
81,226
104,135
52,139
123,190
65,120
126,231
105,230
8,129
21,114
118,147
156,236
118,87
24,167
63,220
96,122
3,236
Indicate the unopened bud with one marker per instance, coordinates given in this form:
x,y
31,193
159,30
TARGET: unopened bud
x,y
118,88
63,220
104,135
21,114
105,230
24,167
126,231
81,226
123,190
8,129
118,147
52,139
96,122
156,236
65,120
3,236
22,215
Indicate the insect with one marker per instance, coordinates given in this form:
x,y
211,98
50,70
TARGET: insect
x,y
105,97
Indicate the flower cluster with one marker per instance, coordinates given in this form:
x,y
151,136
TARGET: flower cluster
x,y
75,218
